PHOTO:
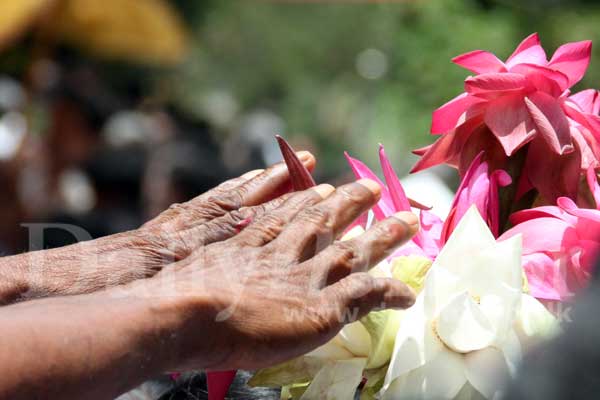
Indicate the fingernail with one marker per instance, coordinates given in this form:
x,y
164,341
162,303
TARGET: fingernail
x,y
371,185
407,217
324,190
304,155
252,174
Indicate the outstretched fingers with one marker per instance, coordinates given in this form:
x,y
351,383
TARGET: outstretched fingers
x,y
358,294
316,227
365,251
265,229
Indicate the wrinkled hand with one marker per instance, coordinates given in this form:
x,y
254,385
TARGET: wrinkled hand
x,y
281,287
221,212
173,235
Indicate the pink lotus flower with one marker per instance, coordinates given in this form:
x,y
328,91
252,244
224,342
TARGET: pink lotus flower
x,y
509,105
479,187
560,244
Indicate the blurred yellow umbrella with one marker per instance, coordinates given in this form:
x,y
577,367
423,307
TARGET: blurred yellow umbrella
x,y
143,31
16,16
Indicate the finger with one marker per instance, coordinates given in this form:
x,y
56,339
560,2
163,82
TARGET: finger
x,y
251,189
176,209
263,187
233,183
367,250
316,227
358,294
180,243
267,228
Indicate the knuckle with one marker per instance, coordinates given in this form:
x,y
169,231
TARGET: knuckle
x,y
354,194
216,206
386,232
345,255
321,319
272,220
316,216
364,284
177,207
268,228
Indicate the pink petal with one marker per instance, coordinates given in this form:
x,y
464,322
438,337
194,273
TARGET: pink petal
x,y
529,51
360,221
545,234
396,190
550,121
498,179
541,212
473,189
218,384
410,248
543,78
588,145
431,228
480,62
448,116
588,100
572,59
592,181
546,278
448,148
509,120
584,260
590,121
421,151
591,216
385,207
492,85
551,174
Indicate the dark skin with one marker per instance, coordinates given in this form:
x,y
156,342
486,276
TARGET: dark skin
x,y
278,289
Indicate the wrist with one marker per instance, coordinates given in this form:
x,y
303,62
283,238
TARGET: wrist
x,y
87,266
13,283
185,320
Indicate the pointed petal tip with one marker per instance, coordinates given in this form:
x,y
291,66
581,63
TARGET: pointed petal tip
x,y
299,175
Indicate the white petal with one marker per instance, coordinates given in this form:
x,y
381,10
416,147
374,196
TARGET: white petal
x,y
441,378
471,233
534,322
439,287
468,392
356,339
336,382
415,344
500,309
487,371
463,327
483,265
332,350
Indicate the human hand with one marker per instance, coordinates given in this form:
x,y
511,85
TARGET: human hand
x,y
118,259
281,287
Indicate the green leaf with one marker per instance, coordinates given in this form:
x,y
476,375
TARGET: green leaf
x,y
294,391
298,370
382,327
375,380
411,270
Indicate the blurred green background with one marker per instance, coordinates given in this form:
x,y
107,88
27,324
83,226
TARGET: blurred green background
x,y
329,75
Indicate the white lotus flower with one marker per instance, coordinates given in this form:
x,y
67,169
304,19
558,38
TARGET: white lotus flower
x,y
463,335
